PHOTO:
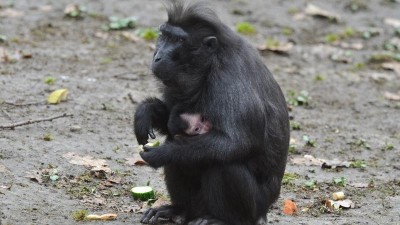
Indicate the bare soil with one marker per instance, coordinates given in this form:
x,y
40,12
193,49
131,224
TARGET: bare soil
x,y
347,115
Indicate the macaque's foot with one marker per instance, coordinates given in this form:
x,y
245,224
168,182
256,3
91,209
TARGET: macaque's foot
x,y
206,221
152,215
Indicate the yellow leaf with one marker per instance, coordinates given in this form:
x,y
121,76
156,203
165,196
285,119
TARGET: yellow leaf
x,y
57,96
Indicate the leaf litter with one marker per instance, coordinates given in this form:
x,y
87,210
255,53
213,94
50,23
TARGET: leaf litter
x,y
316,11
88,161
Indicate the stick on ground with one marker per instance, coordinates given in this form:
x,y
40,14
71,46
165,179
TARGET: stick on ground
x,y
14,125
24,104
131,98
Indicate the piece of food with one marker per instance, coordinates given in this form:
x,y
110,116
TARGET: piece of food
x,y
143,193
150,144
289,207
108,216
57,96
338,195
153,144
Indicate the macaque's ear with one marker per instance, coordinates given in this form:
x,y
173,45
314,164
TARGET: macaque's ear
x,y
211,42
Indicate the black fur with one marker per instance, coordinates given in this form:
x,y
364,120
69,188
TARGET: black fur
x,y
232,174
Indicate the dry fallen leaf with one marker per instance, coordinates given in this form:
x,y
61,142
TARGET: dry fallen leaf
x,y
3,169
299,16
94,201
129,36
3,55
395,66
7,57
392,22
346,203
335,205
105,183
360,185
392,96
7,187
130,208
114,179
293,141
10,13
280,48
328,204
335,163
289,207
341,57
100,170
136,160
25,55
101,35
381,77
45,8
307,160
35,175
314,10
355,46
88,161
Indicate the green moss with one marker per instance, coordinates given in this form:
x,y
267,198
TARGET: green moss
x,y
380,58
287,31
295,125
80,215
272,43
49,80
341,181
300,100
359,66
289,178
388,147
48,137
293,149
245,28
331,38
148,34
358,164
311,184
293,10
349,32
357,5
319,77
3,38
121,23
106,60
309,141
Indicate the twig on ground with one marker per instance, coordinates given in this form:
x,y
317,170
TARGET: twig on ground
x,y
7,115
123,76
14,125
131,98
24,104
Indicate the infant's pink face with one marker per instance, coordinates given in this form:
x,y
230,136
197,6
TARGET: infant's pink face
x,y
195,124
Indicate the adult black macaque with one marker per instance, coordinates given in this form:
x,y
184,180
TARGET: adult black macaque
x,y
232,173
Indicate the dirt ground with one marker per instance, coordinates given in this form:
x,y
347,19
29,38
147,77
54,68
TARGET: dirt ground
x,y
350,113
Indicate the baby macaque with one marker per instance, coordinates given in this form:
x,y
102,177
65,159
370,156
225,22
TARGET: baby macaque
x,y
195,124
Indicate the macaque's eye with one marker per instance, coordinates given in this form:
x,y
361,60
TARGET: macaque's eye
x,y
161,35
176,39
